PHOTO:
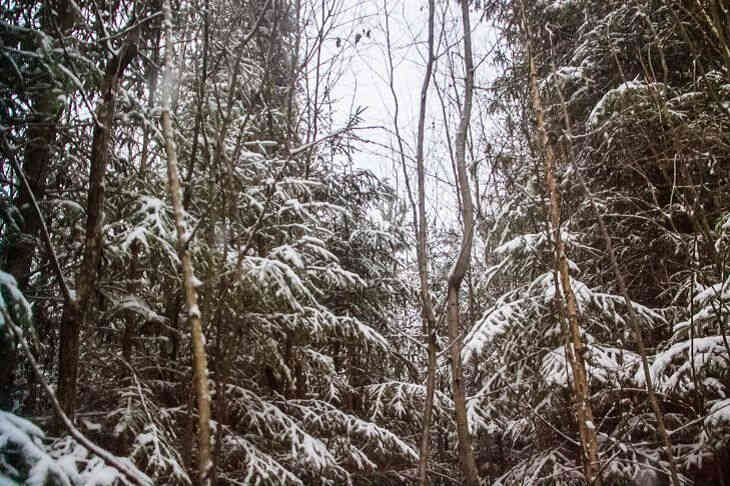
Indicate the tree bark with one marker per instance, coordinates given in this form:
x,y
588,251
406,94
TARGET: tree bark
x,y
200,366
75,313
576,351
456,276
429,319
42,129
631,313
22,245
41,135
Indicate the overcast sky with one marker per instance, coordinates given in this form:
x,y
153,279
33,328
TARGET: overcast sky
x,y
359,42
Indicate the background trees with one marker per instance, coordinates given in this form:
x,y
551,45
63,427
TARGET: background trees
x,y
294,275
304,263
611,64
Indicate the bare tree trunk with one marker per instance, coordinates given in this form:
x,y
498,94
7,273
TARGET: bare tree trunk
x,y
152,74
220,372
430,326
576,352
75,313
429,320
41,135
632,317
294,67
456,276
200,367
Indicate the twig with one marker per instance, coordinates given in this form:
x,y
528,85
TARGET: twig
x,y
307,146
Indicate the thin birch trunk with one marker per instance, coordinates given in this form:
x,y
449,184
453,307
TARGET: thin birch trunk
x,y
200,367
631,313
456,276
576,352
430,326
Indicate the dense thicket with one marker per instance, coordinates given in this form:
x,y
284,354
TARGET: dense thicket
x,y
636,107
295,277
305,266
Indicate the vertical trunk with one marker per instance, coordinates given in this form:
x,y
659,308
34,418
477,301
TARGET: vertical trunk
x,y
41,135
576,350
200,367
201,99
456,276
21,247
75,313
634,322
429,320
130,324
466,454
152,77
632,317
294,72
42,128
221,372
425,447
430,326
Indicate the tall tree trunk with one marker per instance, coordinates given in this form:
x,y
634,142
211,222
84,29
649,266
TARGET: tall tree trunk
x,y
75,313
22,246
430,326
42,130
576,351
200,366
631,313
41,136
429,320
456,276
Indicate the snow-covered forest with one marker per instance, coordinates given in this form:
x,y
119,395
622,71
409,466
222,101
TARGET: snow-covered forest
x,y
205,281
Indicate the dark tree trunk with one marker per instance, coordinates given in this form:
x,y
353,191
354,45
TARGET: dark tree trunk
x,y
22,245
76,313
41,135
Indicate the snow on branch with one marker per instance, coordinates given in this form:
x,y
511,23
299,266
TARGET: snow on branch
x,y
327,418
269,420
671,369
604,364
398,398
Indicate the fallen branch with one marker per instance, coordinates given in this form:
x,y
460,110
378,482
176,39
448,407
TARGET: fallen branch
x,y
129,473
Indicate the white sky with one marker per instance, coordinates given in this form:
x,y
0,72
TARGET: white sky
x,y
363,65
364,79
